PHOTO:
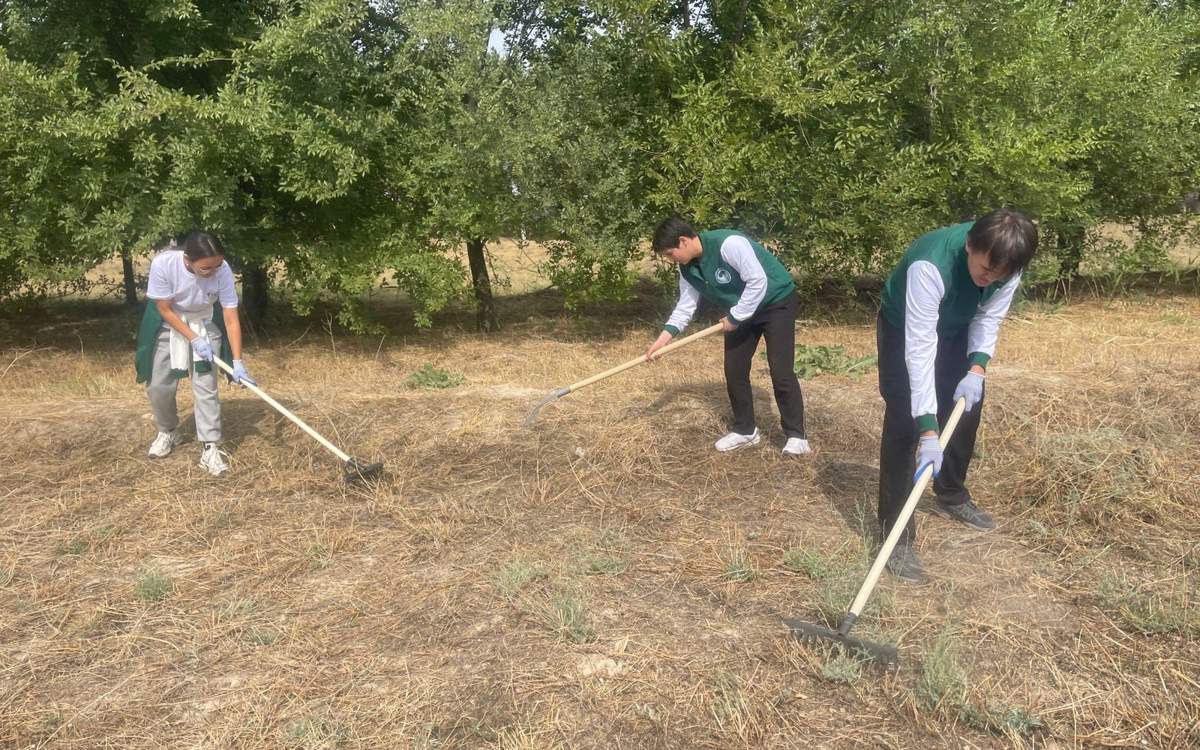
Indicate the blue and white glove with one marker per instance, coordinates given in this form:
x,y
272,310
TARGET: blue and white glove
x,y
202,348
240,376
970,388
929,452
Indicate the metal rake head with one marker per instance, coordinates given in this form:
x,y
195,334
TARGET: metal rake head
x,y
357,471
883,654
552,396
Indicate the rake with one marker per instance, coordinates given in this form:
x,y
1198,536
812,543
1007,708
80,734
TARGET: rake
x,y
560,392
881,653
356,471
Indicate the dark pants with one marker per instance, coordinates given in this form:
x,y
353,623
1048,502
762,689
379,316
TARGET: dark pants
x,y
897,447
777,323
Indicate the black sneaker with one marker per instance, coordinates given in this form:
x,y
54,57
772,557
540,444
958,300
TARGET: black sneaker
x,y
966,512
905,565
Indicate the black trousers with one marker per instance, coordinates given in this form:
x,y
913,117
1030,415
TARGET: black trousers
x,y
777,323
898,446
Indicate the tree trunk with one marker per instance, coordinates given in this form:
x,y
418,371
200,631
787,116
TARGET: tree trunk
x,y
485,305
1070,252
130,283
255,291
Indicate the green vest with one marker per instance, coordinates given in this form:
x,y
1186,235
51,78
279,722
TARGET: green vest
x,y
945,248
721,284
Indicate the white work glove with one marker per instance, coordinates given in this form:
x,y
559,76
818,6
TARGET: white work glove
x,y
202,348
970,388
240,376
929,452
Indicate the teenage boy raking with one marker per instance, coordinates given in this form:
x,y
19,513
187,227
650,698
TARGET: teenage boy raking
x,y
941,311
758,296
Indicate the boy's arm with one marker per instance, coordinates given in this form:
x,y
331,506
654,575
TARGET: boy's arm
x,y
685,308
923,292
739,253
985,326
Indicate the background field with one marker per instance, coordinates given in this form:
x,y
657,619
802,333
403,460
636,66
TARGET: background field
x,y
605,579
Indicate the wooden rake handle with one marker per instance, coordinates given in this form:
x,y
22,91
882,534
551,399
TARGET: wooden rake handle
x,y
906,512
283,410
642,359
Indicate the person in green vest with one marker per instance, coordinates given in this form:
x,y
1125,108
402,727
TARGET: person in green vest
x,y
940,315
758,296
191,314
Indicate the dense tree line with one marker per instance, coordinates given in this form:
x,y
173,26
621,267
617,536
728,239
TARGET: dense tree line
x,y
337,142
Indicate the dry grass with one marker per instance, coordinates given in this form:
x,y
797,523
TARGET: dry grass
x,y
604,580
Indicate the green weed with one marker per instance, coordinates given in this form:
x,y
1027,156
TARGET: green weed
x,y
942,680
809,562
1147,612
312,733
434,378
567,615
812,361
517,574
737,564
841,667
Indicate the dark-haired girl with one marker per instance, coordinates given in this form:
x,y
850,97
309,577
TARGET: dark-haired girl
x,y
192,314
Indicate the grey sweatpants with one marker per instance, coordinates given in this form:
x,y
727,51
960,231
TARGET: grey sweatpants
x,y
162,388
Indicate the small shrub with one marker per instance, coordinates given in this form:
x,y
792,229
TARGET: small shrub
x,y
434,378
1001,720
812,361
942,680
153,586
729,707
607,556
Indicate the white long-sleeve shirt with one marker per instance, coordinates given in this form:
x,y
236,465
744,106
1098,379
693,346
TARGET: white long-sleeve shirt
x,y
924,291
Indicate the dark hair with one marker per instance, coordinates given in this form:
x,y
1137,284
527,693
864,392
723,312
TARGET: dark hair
x,y
1008,237
199,245
668,233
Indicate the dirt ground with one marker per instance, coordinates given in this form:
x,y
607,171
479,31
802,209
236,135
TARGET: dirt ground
x,y
604,579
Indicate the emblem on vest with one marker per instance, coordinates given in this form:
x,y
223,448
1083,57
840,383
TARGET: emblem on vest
x,y
722,276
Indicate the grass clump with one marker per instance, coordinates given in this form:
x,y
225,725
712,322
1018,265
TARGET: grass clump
x,y
434,378
567,616
517,574
737,565
153,586
607,556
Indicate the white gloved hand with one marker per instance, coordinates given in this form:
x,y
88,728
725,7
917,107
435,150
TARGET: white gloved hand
x,y
970,388
202,348
929,453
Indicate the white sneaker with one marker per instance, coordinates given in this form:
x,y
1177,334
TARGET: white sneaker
x,y
164,443
796,447
735,440
213,460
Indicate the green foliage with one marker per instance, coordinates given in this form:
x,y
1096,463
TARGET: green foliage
x,y
434,378
812,361
340,144
1149,612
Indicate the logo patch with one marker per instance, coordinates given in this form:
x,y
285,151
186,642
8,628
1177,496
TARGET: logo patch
x,y
722,276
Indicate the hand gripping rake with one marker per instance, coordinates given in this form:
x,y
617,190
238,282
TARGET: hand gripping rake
x,y
881,653
560,392
356,471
